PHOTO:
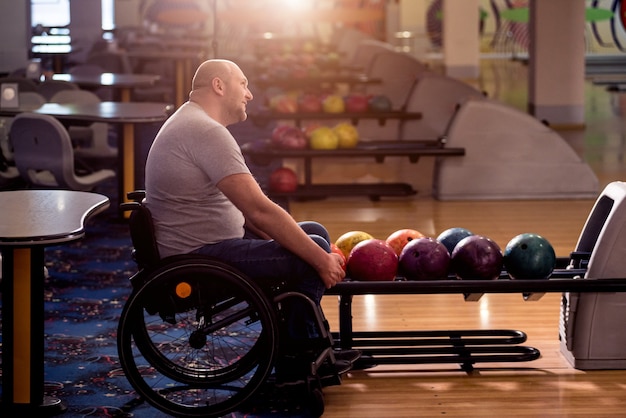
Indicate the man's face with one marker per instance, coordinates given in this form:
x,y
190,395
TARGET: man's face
x,y
238,96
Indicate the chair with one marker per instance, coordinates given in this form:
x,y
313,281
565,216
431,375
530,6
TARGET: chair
x,y
44,156
8,172
111,61
86,69
49,88
9,175
92,141
365,52
30,100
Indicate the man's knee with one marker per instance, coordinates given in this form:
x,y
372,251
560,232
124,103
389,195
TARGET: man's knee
x,y
315,228
321,241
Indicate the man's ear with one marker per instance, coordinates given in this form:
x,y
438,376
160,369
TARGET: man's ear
x,y
218,86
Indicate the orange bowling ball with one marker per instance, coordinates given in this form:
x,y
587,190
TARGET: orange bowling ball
x,y
402,237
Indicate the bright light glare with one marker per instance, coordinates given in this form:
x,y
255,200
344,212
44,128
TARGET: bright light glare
x,y
108,14
485,313
371,312
106,78
298,4
50,13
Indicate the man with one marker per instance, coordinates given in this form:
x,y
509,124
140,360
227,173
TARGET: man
x,y
204,200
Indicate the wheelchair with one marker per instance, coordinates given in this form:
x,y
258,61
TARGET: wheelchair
x,y
197,338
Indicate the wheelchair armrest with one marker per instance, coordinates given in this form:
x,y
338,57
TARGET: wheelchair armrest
x,y
128,206
137,195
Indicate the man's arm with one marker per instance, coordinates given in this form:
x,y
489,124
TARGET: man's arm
x,y
269,218
257,231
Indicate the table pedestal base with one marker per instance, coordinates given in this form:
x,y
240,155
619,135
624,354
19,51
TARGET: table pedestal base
x,y
50,407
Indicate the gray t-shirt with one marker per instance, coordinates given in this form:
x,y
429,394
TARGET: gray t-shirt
x,y
189,156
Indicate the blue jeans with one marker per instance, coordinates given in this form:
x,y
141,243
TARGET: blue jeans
x,y
267,260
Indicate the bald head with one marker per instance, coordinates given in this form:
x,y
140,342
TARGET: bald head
x,y
209,70
221,89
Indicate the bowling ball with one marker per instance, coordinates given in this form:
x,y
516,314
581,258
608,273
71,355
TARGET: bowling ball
x,y
356,102
398,239
283,180
529,256
379,103
324,138
309,102
450,237
477,258
424,259
278,131
348,135
333,103
372,260
289,137
347,241
336,250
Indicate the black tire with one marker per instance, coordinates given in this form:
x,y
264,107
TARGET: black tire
x,y
197,339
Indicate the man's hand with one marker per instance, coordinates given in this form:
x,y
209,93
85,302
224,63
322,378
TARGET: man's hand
x,y
333,272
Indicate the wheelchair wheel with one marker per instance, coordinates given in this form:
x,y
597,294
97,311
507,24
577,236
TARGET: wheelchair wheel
x,y
197,339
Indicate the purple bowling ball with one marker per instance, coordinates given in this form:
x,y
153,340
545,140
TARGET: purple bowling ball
x,y
424,259
477,258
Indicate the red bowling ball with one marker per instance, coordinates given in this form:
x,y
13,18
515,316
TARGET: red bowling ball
x,y
283,180
372,260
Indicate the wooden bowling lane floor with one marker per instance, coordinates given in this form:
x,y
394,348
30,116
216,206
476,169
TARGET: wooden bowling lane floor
x,y
499,392
547,387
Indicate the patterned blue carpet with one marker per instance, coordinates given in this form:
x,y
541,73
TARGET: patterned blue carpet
x,y
85,291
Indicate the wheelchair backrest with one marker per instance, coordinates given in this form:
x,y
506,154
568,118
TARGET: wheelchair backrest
x,y
146,250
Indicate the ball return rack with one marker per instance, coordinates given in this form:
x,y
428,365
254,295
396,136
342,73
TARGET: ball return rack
x,y
378,150
465,347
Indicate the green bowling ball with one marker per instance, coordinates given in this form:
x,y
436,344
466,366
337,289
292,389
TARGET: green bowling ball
x,y
529,256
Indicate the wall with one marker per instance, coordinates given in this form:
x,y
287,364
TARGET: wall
x,y
127,13
15,32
